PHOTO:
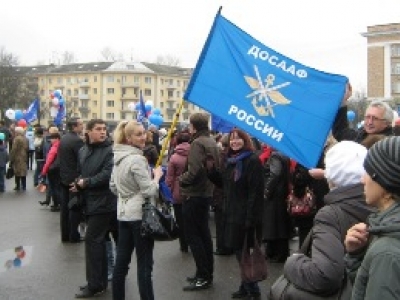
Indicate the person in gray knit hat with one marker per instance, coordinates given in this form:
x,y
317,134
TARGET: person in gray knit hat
x,y
373,249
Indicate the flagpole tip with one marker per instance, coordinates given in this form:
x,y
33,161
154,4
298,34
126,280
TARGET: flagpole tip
x,y
219,10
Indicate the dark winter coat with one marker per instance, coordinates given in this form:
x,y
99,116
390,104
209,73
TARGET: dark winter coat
x,y
95,165
378,268
68,151
4,157
276,220
322,273
176,165
243,204
342,132
193,181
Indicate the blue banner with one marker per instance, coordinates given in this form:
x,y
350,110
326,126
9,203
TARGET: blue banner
x,y
283,103
32,111
220,125
60,115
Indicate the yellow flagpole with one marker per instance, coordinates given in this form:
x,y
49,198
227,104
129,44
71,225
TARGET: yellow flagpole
x,y
170,131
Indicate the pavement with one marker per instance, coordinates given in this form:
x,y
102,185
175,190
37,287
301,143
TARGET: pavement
x,y
47,269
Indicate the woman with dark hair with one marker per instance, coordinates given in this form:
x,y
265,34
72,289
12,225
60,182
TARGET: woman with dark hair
x,y
150,150
176,166
242,182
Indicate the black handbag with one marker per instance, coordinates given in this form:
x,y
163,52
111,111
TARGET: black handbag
x,y
157,224
10,172
253,266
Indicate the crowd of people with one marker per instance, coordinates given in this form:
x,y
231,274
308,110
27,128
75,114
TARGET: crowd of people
x,y
99,180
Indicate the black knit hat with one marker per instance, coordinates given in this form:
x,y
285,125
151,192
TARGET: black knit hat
x,y
383,164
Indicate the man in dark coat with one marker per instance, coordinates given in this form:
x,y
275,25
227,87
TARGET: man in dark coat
x,y
277,225
95,166
378,119
68,151
198,191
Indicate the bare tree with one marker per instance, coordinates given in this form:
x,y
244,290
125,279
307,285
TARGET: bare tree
x,y
9,80
68,58
109,54
168,60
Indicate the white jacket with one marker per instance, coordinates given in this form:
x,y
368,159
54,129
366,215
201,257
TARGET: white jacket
x,y
131,182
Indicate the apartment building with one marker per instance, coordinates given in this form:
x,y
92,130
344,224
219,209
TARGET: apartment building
x,y
383,43
105,89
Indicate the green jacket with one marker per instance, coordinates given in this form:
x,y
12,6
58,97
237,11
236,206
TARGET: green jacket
x,y
377,269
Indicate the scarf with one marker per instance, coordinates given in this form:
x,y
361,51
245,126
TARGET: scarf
x,y
237,159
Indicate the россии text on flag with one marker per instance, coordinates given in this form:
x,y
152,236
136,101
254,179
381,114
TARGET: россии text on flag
x,y
283,103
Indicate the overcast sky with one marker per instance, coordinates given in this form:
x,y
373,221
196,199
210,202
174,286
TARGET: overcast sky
x,y
318,33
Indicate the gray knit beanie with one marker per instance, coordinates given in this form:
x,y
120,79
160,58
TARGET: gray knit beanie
x,y
383,163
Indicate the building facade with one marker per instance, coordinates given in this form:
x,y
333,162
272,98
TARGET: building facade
x,y
105,89
383,43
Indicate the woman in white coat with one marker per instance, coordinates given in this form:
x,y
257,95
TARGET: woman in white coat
x,y
132,182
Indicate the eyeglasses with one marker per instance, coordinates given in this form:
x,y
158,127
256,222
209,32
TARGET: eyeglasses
x,y
373,118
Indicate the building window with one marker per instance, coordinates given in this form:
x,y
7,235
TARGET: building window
x,y
147,80
110,103
123,79
161,93
162,104
170,94
110,78
170,116
136,79
85,91
396,50
94,115
76,92
95,91
94,103
42,80
84,115
396,87
123,116
69,92
49,80
95,78
147,92
110,91
59,80
110,116
123,91
396,68
178,94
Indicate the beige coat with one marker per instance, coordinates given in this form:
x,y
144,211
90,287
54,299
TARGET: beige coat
x,y
18,155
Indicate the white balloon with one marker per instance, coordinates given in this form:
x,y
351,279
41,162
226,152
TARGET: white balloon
x,y
132,106
10,113
55,101
149,102
53,112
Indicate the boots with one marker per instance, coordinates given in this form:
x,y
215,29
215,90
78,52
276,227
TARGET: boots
x,y
47,201
110,260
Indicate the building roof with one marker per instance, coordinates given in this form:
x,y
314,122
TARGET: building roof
x,y
168,70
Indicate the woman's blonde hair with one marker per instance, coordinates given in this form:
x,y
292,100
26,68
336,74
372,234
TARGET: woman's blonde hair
x,y
125,129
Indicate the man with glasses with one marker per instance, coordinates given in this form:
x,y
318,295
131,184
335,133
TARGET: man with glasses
x,y
378,119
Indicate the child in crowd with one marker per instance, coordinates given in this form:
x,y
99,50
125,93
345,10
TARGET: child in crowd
x,y
3,161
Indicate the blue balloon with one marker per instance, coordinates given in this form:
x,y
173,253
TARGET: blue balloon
x,y
351,115
156,111
18,115
148,107
137,106
156,119
57,94
61,101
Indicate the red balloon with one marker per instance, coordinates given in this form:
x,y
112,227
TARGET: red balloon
x,y
22,123
51,95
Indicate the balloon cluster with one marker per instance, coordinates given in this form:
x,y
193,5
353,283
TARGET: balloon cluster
x,y
351,115
17,116
152,114
58,102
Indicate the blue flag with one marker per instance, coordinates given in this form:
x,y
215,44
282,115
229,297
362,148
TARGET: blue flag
x,y
32,111
283,103
60,115
220,125
142,111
